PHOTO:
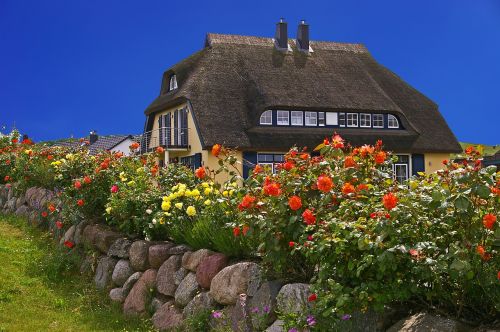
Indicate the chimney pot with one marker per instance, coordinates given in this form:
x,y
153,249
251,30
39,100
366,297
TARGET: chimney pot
x,y
303,36
281,37
93,137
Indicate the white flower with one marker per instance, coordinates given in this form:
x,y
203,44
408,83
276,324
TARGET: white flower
x,y
154,221
149,211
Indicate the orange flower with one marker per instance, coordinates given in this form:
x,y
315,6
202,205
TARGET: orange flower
x,y
349,162
50,157
288,165
489,220
134,146
324,183
272,189
52,208
78,184
304,156
348,188
6,178
80,202
366,149
380,157
87,179
390,201
246,202
295,203
15,140
480,250
309,217
361,187
160,150
337,142
200,172
258,169
216,150
245,230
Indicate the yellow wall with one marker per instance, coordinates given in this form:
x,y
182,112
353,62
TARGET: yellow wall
x,y
434,161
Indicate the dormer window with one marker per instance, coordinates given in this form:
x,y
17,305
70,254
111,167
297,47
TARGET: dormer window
x,y
392,121
172,85
266,118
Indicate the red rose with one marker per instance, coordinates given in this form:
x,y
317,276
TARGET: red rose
x,y
246,202
236,231
373,215
295,203
337,142
59,224
309,217
200,173
258,169
78,184
160,150
390,201
114,189
349,162
272,189
87,179
216,150
134,146
489,220
288,165
44,214
380,157
324,183
80,202
291,244
313,297
52,208
348,188
69,244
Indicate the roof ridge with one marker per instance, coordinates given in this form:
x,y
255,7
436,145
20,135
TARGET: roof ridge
x,y
222,38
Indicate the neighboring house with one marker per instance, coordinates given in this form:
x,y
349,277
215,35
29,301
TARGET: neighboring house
x,y
112,143
492,160
264,95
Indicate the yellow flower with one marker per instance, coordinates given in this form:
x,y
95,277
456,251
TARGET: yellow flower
x,y
70,156
204,185
165,205
225,193
231,192
162,221
207,191
140,170
178,205
195,193
191,211
188,193
168,214
166,198
131,183
207,202
182,187
108,209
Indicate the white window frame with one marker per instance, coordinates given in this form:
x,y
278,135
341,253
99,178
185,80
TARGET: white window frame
x,y
391,118
307,116
366,116
342,118
280,119
272,164
409,166
264,116
377,118
172,83
297,115
321,114
352,116
332,119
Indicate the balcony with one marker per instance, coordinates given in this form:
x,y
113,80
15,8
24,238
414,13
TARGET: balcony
x,y
168,138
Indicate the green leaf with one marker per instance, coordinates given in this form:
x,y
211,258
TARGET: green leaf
x,y
462,203
457,265
483,191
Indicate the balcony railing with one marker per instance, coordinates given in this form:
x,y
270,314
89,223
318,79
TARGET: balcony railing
x,y
168,138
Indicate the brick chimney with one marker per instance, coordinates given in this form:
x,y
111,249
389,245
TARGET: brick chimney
x,y
303,36
281,37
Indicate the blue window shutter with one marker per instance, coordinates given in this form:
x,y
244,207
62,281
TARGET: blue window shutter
x,y
176,127
197,160
160,129
184,131
418,163
249,162
168,131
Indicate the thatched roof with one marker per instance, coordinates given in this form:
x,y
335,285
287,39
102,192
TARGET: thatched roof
x,y
231,81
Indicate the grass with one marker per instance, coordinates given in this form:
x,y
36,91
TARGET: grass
x,y
41,288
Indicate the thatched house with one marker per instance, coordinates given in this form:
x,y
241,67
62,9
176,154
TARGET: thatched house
x,y
264,95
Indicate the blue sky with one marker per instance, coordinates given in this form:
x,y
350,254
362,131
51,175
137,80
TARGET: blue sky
x,y
67,67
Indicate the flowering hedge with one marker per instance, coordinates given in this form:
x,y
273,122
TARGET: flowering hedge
x,y
337,219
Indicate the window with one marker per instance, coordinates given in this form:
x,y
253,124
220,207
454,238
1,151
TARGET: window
x,y
270,160
331,119
172,85
392,121
378,121
311,119
352,119
365,120
401,168
297,118
342,119
321,119
282,118
266,118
